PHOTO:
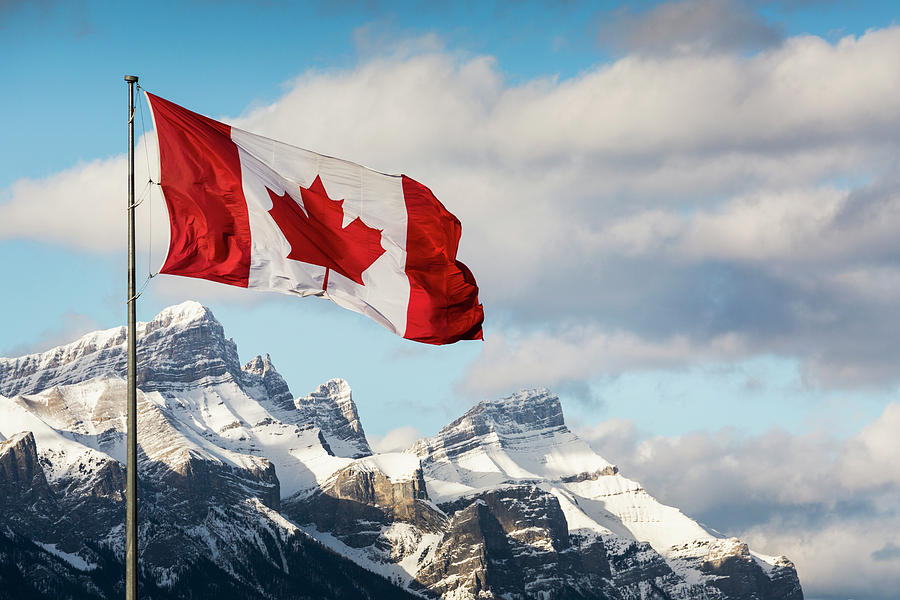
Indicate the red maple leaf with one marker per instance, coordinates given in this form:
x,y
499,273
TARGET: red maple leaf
x,y
317,238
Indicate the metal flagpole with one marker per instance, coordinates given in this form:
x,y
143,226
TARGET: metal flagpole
x,y
131,521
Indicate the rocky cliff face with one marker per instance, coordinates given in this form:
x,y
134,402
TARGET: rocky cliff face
x,y
360,503
514,543
22,479
250,484
331,408
260,372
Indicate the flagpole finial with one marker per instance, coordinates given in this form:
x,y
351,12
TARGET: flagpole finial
x,y
131,78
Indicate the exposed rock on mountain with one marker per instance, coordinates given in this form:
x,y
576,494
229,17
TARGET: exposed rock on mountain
x,y
500,535
261,372
330,407
22,480
184,346
267,495
359,502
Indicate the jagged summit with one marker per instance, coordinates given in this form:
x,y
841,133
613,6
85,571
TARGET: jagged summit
x,y
186,312
261,371
259,365
332,409
183,345
526,410
178,314
522,437
23,437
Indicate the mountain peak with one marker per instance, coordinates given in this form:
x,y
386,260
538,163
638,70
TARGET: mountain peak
x,y
526,410
487,505
183,345
337,388
259,365
261,369
186,312
332,409
23,437
521,437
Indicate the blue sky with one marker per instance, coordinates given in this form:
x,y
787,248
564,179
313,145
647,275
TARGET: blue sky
x,y
66,62
68,55
681,214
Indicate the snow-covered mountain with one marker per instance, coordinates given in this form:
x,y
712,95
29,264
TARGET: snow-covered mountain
x,y
281,496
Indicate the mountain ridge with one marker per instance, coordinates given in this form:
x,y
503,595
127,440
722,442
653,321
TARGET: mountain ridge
x,y
503,501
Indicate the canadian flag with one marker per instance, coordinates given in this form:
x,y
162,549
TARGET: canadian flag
x,y
256,213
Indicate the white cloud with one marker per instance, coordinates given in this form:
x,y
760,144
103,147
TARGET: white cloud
x,y
84,207
876,284
530,160
545,359
804,226
669,204
395,440
837,560
832,506
73,207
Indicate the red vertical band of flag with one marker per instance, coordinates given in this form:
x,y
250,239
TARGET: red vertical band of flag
x,y
443,295
201,180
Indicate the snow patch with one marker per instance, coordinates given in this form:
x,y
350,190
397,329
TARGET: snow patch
x,y
369,559
397,466
65,458
73,559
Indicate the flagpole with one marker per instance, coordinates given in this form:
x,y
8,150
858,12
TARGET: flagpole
x,y
131,521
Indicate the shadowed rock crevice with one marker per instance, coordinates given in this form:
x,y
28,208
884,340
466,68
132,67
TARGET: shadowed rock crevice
x,y
515,543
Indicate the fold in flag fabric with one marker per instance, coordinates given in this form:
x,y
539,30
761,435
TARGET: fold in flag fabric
x,y
252,212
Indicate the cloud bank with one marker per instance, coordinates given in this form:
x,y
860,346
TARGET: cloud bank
x,y
832,506
660,209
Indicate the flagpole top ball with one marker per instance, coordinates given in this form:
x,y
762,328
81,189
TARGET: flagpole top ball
x,y
131,78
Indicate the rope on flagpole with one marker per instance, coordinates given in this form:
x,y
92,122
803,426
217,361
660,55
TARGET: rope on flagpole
x,y
143,287
141,197
150,184
146,193
140,102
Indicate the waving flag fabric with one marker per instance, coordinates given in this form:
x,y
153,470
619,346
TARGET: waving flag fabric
x,y
252,212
